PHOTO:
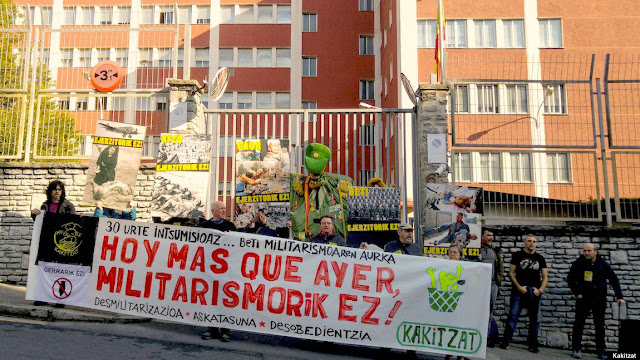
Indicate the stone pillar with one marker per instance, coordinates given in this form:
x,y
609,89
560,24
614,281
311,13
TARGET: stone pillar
x,y
432,119
186,114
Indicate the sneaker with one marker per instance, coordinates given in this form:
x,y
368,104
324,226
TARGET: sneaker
x,y
576,354
534,349
504,346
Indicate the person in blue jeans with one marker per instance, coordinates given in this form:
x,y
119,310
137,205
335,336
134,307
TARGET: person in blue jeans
x,y
102,211
528,273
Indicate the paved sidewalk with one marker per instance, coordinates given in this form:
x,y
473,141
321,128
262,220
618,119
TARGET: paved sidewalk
x,y
13,304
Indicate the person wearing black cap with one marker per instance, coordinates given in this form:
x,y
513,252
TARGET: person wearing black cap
x,y
404,244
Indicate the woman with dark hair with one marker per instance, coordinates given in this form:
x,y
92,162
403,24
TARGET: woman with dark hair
x,y
56,201
107,162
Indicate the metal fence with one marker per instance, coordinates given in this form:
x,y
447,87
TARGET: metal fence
x,y
545,137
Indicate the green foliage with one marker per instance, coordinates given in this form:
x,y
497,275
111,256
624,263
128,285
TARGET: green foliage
x,y
57,135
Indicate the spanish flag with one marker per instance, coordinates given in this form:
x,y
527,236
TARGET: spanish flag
x,y
440,36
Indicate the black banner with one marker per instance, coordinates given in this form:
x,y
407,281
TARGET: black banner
x,y
67,239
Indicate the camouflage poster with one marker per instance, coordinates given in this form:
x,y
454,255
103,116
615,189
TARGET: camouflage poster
x,y
262,182
114,165
182,176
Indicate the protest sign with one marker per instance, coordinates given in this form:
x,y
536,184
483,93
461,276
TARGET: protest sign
x,y
373,215
182,176
114,165
262,182
284,287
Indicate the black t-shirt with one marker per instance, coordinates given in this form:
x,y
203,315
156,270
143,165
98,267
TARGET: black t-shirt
x,y
528,268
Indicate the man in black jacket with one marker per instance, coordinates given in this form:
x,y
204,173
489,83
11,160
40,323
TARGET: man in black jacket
x,y
587,280
327,234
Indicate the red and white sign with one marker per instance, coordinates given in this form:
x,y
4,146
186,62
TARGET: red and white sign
x,y
63,283
106,76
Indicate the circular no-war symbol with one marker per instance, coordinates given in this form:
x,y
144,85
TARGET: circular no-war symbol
x,y
62,288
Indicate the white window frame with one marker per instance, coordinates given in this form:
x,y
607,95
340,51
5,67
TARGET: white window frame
x,y
225,61
367,134
283,58
226,101
263,100
265,14
555,103
426,33
244,104
309,66
242,57
245,14
518,171
104,15
166,16
283,14
485,93
513,99
482,34
227,14
283,100
462,160
164,57
122,16
309,22
491,174
365,45
84,58
366,90
203,14
201,57
546,27
454,30
264,57
461,106
512,37
554,170
309,105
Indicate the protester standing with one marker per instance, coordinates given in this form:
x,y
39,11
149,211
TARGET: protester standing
x,y
404,244
528,273
327,233
587,280
218,222
490,254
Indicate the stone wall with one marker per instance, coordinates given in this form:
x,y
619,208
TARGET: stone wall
x,y
20,182
561,246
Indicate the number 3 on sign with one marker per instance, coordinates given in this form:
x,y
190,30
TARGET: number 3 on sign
x,y
106,76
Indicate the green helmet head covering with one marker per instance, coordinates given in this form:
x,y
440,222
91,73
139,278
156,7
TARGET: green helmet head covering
x,y
316,158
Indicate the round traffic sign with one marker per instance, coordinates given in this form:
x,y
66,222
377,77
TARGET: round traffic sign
x,y
106,76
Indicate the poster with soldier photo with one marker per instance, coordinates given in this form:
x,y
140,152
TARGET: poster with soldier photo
x,y
114,165
182,176
461,228
262,182
373,215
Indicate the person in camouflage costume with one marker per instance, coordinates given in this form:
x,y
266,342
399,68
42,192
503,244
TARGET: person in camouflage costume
x,y
316,195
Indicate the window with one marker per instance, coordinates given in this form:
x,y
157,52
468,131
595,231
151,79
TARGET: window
x,y
224,189
203,15
550,33
166,16
144,58
490,167
513,33
226,148
244,15
81,104
122,57
283,100
245,57
485,33
202,57
225,101
462,166
366,45
265,14
244,101
367,135
164,57
462,98
66,57
226,57
309,104
102,54
558,167
309,22
45,57
366,5
520,167
68,16
161,104
263,100
426,33
487,99
283,58
63,103
147,15
47,15
456,31
123,15
85,16
366,175
84,58
309,66
227,14
144,104
517,99
104,15
117,104
180,58
284,14
264,57
366,90
554,99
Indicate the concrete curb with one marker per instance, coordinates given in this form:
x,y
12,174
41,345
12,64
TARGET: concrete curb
x,y
48,313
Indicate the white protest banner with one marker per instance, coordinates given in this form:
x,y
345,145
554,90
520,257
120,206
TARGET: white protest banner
x,y
62,283
283,287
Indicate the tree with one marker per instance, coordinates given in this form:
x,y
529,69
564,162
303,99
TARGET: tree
x,y
57,135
